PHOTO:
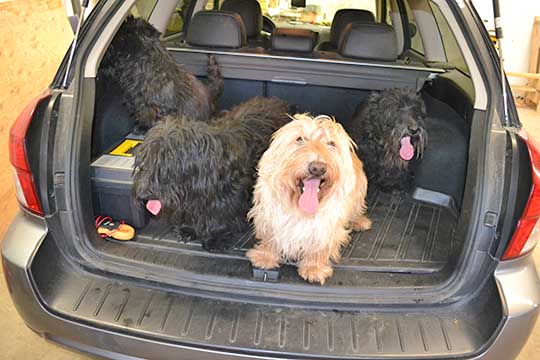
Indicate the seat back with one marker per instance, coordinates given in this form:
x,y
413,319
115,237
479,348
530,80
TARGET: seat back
x,y
216,29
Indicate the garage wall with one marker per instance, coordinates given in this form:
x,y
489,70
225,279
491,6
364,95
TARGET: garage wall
x,y
517,19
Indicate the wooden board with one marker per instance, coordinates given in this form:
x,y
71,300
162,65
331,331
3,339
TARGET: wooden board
x,y
523,88
534,60
523,75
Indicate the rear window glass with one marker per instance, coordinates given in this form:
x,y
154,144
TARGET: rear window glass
x,y
178,17
315,13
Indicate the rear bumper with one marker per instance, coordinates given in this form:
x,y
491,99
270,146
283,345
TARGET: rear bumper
x,y
518,284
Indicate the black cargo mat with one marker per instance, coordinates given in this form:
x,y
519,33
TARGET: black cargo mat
x,y
408,235
260,328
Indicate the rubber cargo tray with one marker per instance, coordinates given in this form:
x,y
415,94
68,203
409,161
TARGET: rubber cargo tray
x,y
408,235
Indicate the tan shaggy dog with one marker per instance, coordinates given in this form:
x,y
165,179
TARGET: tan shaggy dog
x,y
310,194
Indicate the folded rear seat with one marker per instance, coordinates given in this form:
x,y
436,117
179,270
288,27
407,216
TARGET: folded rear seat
x,y
286,40
369,41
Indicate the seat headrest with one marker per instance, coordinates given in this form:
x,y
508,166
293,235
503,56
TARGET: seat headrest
x,y
299,40
221,29
344,17
373,41
249,11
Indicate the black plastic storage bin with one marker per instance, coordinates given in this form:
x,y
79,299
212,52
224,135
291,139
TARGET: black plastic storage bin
x,y
112,180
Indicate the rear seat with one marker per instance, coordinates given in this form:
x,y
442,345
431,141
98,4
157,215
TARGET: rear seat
x,y
293,40
369,41
342,18
217,29
251,14
224,30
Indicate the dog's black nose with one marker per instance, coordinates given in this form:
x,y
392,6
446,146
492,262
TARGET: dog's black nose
x,y
317,168
413,130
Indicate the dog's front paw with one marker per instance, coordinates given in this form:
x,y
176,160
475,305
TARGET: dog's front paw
x,y
315,273
263,259
362,224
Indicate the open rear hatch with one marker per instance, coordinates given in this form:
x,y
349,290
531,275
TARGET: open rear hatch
x,y
393,295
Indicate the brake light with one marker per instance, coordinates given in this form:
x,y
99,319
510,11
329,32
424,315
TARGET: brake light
x,y
24,181
527,230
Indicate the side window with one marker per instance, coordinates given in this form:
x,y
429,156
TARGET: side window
x,y
416,40
143,8
181,13
178,17
210,5
389,6
451,48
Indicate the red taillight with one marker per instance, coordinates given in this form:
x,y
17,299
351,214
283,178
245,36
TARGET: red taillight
x,y
528,227
24,181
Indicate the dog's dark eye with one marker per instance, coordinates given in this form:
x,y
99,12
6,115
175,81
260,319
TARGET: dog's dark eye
x,y
299,140
332,144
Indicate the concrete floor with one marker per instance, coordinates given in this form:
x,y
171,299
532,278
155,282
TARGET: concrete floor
x,y
34,35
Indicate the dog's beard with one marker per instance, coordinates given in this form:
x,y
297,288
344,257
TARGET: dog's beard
x,y
401,136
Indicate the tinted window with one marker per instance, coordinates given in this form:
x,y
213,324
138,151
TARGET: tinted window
x,y
178,17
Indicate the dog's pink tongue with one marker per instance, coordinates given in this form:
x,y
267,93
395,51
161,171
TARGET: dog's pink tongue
x,y
154,206
406,151
309,200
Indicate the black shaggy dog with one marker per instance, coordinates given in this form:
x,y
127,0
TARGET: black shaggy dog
x,y
390,129
153,84
203,173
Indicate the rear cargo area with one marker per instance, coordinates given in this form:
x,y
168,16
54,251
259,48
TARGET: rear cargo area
x,y
408,235
413,233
